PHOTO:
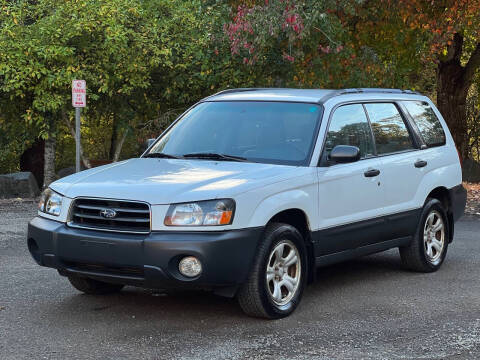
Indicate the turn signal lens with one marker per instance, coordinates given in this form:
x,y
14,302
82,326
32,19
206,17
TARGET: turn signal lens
x,y
202,213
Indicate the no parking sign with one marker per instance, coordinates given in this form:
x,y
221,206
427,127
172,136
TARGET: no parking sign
x,y
79,93
79,100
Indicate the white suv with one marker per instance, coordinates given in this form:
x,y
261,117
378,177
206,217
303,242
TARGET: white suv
x,y
251,189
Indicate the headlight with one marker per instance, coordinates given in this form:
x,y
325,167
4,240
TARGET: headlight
x,y
201,213
50,202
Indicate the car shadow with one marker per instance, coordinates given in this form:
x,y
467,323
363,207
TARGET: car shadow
x,y
153,305
368,271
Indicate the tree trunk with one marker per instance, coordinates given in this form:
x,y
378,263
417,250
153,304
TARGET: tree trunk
x,y
452,103
49,154
113,141
32,160
453,83
118,150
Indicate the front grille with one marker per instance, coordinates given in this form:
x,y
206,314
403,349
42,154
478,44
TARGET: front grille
x,y
111,215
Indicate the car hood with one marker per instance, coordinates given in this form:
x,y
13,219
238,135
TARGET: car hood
x,y
165,181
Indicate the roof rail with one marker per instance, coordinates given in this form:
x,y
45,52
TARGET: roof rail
x,y
376,90
367,90
227,91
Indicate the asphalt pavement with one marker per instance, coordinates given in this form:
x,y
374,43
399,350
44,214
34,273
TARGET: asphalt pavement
x,y
370,308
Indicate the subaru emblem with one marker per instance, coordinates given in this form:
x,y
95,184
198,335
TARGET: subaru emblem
x,y
108,213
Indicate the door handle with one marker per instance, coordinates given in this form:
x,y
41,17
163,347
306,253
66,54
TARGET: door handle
x,y
420,163
371,173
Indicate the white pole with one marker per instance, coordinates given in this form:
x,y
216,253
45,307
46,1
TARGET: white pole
x,y
77,139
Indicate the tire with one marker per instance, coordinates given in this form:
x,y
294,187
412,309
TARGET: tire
x,y
256,295
93,287
422,254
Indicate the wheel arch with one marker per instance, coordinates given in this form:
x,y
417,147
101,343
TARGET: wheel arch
x,y
442,194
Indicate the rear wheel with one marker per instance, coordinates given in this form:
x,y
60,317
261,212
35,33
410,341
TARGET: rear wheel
x,y
277,279
428,249
93,287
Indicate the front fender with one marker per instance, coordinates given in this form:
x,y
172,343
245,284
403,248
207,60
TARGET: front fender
x,y
301,199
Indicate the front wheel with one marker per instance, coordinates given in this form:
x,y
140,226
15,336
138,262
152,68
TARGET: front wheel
x,y
277,279
429,246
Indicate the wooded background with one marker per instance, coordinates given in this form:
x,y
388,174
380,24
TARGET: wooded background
x,y
146,61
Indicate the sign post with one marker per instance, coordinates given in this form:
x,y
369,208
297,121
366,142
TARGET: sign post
x,y
79,100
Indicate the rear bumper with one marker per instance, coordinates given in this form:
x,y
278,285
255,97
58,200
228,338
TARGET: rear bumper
x,y
149,260
458,200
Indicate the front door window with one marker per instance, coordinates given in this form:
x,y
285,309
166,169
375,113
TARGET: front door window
x,y
349,126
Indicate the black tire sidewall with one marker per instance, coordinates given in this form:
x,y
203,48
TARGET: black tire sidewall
x,y
432,204
283,232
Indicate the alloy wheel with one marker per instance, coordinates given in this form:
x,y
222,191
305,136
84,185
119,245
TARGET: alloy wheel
x,y
434,237
283,272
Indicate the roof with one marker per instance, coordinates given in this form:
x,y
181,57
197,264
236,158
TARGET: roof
x,y
299,95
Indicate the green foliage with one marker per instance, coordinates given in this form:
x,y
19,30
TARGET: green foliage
x,y
330,44
47,44
473,119
139,58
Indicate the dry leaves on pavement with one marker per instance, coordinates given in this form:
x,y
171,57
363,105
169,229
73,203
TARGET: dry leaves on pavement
x,y
473,198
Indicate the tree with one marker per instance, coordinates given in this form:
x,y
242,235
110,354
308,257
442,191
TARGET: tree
x,y
473,119
286,41
49,43
422,39
451,30
391,43
120,47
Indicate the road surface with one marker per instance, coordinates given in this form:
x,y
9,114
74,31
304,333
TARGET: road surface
x,y
367,308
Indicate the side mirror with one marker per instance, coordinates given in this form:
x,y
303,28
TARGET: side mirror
x,y
344,154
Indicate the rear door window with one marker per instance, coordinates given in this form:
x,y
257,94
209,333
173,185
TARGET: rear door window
x,y
390,132
427,122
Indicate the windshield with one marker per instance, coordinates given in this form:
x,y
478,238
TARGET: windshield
x,y
266,132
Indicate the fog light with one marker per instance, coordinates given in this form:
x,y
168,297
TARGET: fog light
x,y
190,266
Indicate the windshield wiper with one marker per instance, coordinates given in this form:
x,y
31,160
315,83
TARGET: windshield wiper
x,y
214,156
161,156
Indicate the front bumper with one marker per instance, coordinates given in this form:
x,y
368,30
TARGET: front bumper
x,y
149,260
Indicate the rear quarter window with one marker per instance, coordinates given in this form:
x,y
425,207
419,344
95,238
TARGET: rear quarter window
x,y
427,122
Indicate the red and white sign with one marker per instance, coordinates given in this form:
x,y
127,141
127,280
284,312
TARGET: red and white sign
x,y
79,93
